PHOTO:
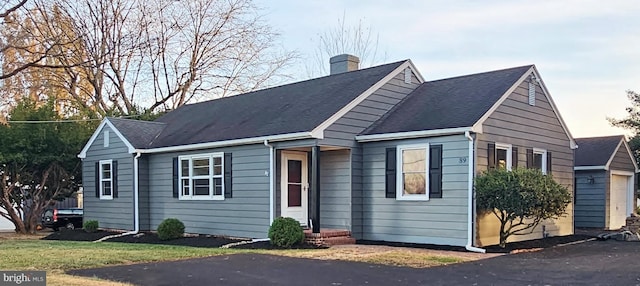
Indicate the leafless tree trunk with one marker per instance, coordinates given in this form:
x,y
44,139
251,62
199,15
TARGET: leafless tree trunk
x,y
23,206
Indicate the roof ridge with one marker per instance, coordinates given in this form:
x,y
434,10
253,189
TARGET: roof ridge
x,y
135,120
602,137
480,73
297,82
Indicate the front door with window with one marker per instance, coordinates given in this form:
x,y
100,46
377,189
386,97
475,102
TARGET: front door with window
x,y
294,186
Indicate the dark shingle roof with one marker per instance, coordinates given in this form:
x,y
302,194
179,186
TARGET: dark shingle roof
x,y
139,133
596,151
448,103
297,107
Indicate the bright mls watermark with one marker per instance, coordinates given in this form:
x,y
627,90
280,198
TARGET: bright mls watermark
x,y
31,278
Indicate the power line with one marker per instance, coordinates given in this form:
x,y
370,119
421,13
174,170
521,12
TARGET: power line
x,y
60,121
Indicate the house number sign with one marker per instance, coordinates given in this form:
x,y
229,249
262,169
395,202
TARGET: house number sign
x,y
462,160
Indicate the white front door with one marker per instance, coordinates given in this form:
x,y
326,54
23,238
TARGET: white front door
x,y
618,201
294,186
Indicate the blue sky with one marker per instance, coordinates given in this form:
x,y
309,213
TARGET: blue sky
x,y
588,52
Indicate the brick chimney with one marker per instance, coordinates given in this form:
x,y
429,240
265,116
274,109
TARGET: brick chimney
x,y
344,63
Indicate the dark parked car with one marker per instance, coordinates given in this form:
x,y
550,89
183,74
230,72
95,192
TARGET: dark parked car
x,y
66,218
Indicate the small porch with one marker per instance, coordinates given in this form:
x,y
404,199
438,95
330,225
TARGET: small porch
x,y
314,186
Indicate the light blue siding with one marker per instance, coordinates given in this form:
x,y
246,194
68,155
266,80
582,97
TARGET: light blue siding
x,y
116,213
437,221
344,130
590,198
244,215
335,189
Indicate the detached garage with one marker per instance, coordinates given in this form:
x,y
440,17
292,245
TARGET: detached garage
x,y
604,182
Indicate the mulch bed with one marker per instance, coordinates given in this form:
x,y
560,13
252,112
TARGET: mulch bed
x,y
152,238
528,245
218,241
77,235
537,243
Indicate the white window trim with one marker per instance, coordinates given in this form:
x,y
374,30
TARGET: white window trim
x,y
102,195
509,149
542,152
211,176
400,196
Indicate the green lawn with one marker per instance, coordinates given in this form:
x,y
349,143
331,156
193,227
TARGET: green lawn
x,y
57,256
65,255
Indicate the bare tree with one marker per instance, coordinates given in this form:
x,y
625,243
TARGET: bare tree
x,y
129,55
358,40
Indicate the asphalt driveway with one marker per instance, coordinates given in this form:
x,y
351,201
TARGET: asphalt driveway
x,y
590,263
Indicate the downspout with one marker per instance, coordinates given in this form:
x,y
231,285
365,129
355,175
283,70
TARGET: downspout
x,y
271,180
136,207
470,216
136,195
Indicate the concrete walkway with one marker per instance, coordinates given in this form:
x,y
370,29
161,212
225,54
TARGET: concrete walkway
x,y
590,263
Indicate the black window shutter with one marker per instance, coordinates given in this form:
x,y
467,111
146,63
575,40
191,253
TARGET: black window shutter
x,y
175,177
529,158
514,157
390,173
228,178
98,179
114,178
435,171
491,155
549,163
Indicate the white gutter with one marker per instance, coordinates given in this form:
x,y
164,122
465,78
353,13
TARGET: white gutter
x,y
243,141
271,181
471,162
585,168
412,134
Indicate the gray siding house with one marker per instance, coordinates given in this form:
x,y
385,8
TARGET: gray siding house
x,y
378,152
605,174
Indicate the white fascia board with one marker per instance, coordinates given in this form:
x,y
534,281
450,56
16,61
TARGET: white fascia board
x,y
587,168
545,91
412,134
633,159
105,121
318,132
572,141
613,154
217,144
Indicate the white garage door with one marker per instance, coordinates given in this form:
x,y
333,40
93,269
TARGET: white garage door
x,y
618,201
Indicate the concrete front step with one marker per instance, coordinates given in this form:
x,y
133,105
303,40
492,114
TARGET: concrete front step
x,y
329,237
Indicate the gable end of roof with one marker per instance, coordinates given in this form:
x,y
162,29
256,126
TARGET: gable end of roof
x,y
94,136
477,127
318,131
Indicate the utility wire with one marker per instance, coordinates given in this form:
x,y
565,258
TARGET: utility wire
x,y
61,121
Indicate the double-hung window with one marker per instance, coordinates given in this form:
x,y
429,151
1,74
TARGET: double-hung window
x,y
504,158
202,177
412,176
539,160
106,179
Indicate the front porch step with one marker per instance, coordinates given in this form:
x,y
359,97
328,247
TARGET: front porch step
x,y
329,237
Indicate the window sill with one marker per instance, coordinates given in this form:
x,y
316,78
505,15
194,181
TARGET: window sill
x,y
203,198
107,198
423,198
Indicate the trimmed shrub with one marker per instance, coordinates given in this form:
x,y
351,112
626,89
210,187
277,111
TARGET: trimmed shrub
x,y
90,226
170,228
285,232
